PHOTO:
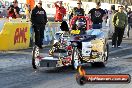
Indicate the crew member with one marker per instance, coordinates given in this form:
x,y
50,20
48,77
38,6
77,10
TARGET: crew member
x,y
129,14
120,21
39,20
77,11
97,15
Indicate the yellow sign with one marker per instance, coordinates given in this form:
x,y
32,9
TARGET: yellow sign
x,y
15,36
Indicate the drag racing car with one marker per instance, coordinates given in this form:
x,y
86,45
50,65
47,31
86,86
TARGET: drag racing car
x,y
75,46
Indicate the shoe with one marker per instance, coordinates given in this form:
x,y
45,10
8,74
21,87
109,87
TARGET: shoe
x,y
113,46
119,46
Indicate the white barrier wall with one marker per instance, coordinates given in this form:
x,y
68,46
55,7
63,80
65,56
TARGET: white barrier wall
x,y
2,22
14,34
50,30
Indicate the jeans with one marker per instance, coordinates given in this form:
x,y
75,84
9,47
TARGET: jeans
x,y
129,27
97,26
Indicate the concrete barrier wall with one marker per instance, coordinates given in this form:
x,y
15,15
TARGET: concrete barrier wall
x,y
15,35
50,30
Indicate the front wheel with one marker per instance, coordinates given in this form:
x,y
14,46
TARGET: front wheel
x,y
75,58
35,60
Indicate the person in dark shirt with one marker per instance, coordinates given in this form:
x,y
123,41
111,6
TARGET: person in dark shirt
x,y
13,10
129,14
39,20
97,15
77,11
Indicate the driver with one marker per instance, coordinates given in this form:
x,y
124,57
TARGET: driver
x,y
77,11
79,25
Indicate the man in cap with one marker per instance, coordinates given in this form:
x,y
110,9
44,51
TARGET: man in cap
x,y
60,11
39,20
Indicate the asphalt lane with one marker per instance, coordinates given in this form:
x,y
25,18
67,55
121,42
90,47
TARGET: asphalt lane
x,y
16,70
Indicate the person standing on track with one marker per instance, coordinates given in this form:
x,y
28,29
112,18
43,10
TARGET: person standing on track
x,y
129,14
39,20
120,21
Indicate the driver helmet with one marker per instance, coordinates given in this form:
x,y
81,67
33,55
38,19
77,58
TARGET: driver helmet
x,y
80,23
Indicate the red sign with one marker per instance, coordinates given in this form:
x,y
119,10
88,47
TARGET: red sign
x,y
20,35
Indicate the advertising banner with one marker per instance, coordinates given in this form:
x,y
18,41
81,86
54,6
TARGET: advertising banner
x,y
15,36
